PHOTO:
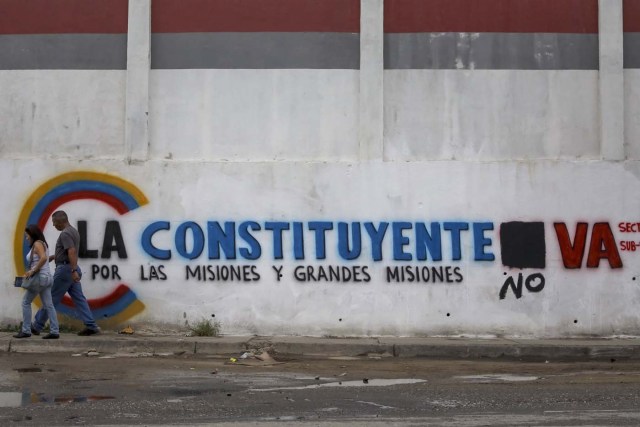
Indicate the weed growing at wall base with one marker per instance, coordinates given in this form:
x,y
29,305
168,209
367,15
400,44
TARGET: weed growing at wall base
x,y
205,328
11,328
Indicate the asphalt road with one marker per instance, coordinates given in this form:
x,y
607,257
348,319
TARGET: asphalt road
x,y
61,389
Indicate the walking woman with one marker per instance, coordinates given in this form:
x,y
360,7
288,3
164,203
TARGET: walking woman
x,y
38,258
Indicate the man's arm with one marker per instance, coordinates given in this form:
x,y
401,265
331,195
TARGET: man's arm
x,y
73,261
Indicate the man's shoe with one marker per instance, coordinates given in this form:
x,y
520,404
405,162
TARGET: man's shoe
x,y
22,335
86,332
51,337
35,331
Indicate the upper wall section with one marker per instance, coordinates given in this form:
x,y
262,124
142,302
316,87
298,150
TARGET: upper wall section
x,y
321,80
631,26
62,73
245,34
632,77
63,35
491,79
247,80
491,34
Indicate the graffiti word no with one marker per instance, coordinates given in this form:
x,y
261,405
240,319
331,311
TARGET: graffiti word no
x,y
533,283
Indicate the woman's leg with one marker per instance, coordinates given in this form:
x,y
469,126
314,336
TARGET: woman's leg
x,y
47,302
26,311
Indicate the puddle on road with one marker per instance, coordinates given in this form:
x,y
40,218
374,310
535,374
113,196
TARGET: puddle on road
x,y
488,378
16,399
10,399
377,405
358,383
282,418
23,370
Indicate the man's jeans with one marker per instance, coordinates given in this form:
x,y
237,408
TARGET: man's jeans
x,y
63,283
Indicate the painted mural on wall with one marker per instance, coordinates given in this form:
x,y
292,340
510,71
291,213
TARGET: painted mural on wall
x,y
427,252
523,246
121,303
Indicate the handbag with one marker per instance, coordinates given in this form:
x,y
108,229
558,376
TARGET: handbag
x,y
30,283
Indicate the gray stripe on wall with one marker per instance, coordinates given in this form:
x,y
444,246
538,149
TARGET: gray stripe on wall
x,y
491,51
255,50
63,52
631,50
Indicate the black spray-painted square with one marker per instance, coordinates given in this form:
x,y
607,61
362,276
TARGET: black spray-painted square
x,y
523,244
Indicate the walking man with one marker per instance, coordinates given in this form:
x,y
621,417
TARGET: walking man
x,y
66,278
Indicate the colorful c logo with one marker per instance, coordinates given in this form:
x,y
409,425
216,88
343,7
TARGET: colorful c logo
x,y
122,303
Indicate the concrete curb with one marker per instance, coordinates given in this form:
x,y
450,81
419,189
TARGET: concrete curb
x,y
312,347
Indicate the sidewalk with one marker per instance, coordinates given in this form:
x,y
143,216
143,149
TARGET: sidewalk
x,y
313,347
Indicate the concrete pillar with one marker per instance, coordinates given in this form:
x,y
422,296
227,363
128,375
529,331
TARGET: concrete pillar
x,y
371,125
611,80
136,141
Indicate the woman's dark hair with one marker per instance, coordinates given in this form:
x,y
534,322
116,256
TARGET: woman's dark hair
x,y
35,233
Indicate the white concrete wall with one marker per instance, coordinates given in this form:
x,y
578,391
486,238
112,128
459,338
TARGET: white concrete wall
x,y
491,115
254,115
602,300
471,146
632,113
62,113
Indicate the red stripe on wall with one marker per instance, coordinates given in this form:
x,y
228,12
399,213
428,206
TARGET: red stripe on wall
x,y
63,16
500,16
101,302
188,16
631,10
